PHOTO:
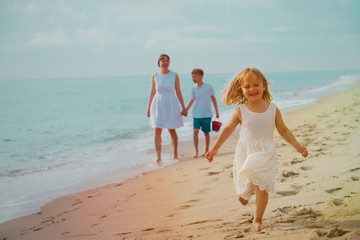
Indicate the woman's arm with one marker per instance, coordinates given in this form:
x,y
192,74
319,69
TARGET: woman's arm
x,y
224,134
287,135
151,95
178,93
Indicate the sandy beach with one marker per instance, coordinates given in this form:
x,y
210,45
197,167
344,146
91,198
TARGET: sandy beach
x,y
317,197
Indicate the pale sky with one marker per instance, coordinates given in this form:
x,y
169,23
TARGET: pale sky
x,y
78,38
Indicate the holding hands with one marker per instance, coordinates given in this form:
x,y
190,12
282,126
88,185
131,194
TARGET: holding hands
x,y
184,112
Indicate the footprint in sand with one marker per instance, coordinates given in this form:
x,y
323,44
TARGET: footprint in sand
x,y
321,233
297,187
355,178
336,233
129,196
148,229
308,212
333,190
204,221
123,233
184,206
228,166
77,201
295,162
205,168
203,191
92,196
286,210
287,174
287,193
337,202
213,173
306,168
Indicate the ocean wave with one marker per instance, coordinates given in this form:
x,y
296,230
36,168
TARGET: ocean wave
x,y
24,172
287,104
306,96
340,82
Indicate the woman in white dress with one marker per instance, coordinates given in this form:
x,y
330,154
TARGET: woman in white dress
x,y
163,107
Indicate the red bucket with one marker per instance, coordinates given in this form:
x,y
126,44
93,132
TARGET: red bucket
x,y
216,126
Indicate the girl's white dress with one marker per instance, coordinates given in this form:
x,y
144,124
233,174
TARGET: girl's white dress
x,y
165,110
255,154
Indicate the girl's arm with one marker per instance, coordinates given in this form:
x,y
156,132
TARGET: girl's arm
x,y
151,95
213,99
179,94
225,134
287,135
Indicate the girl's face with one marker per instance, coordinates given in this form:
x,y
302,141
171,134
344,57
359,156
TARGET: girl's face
x,y
164,63
253,88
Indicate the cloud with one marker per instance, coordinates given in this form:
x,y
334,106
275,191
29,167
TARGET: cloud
x,y
172,38
60,38
40,9
30,8
96,37
250,4
282,29
193,37
54,38
98,33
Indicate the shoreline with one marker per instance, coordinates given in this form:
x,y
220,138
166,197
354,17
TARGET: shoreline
x,y
182,199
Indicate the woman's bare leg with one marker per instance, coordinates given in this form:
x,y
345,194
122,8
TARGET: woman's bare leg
x,y
157,143
174,141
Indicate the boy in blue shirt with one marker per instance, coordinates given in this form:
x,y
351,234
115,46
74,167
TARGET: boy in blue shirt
x,y
202,94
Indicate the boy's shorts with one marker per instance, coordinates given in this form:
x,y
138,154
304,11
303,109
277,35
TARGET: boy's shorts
x,y
203,123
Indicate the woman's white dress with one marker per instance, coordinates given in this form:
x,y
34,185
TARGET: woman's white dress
x,y
255,154
165,110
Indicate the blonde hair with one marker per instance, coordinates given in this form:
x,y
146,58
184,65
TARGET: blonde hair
x,y
233,94
161,57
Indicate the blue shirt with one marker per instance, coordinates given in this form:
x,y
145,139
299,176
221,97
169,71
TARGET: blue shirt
x,y
202,96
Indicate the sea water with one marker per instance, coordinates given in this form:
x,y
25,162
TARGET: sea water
x,y
60,136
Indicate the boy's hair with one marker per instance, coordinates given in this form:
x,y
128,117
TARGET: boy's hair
x,y
233,94
198,71
161,57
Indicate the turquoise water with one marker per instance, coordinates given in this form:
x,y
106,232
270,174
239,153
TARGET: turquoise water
x,y
60,136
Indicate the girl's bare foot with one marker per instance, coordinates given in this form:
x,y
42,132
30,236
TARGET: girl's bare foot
x,y
258,226
175,157
195,155
203,155
243,201
158,161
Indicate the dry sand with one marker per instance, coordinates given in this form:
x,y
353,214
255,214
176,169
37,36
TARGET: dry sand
x,y
316,198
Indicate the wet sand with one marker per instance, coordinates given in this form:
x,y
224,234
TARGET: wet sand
x,y
315,198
